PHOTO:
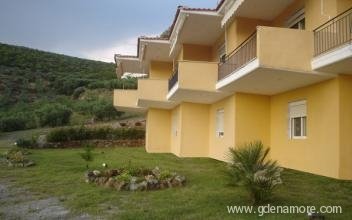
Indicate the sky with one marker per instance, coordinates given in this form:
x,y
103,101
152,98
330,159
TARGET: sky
x,y
93,29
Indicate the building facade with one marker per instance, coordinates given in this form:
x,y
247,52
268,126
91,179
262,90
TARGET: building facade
x,y
275,71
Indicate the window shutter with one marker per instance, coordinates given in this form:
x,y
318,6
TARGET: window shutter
x,y
220,122
298,109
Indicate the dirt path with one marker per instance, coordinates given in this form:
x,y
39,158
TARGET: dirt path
x,y
16,203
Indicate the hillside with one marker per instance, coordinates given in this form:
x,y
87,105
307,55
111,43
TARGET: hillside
x,y
39,89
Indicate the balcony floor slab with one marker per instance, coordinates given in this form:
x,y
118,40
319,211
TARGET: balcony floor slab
x,y
269,81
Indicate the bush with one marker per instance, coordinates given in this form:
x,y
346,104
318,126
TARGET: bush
x,y
87,154
17,121
26,143
105,111
12,123
77,92
250,168
54,115
18,158
100,133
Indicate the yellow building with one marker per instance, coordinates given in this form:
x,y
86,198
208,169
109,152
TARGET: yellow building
x,y
275,71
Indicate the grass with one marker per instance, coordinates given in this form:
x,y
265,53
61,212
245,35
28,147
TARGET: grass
x,y
60,173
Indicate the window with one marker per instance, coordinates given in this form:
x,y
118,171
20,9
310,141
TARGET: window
x,y
222,53
298,120
220,123
297,21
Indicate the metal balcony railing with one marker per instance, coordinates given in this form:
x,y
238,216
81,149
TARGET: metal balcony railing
x,y
242,55
334,33
173,79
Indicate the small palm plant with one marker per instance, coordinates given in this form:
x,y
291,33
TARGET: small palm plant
x,y
250,168
87,154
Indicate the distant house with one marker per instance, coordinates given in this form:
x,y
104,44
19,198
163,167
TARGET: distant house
x,y
275,71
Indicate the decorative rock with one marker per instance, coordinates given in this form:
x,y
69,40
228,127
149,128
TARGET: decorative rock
x,y
41,141
156,172
110,182
144,180
143,185
96,172
29,164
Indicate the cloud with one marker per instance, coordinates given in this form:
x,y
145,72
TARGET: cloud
x,y
126,47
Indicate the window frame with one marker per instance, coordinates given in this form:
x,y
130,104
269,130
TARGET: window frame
x,y
297,19
302,117
221,52
220,129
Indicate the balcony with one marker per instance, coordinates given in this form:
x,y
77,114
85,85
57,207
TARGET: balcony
x,y
194,81
272,60
333,45
152,94
126,100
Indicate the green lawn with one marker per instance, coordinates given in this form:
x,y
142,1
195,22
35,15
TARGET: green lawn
x,y
60,173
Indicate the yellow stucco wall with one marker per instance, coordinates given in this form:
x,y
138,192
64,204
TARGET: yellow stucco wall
x,y
285,48
343,5
197,75
252,118
195,130
175,130
158,131
126,100
152,89
196,52
216,46
345,82
319,12
219,146
160,70
239,30
283,17
318,153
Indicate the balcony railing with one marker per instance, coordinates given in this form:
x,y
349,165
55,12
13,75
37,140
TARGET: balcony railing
x,y
242,55
334,33
173,79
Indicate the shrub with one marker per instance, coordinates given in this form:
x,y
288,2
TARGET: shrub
x,y
54,115
15,120
26,143
105,111
87,154
100,133
250,168
18,158
12,123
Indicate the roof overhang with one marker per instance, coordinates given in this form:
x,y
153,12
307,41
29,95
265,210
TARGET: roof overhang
x,y
148,49
154,49
128,64
257,9
189,28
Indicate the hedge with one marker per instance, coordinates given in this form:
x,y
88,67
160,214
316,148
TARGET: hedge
x,y
100,133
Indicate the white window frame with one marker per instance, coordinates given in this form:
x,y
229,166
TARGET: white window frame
x,y
301,114
296,18
221,51
219,123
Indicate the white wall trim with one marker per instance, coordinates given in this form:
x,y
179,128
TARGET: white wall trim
x,y
172,91
251,66
230,11
328,58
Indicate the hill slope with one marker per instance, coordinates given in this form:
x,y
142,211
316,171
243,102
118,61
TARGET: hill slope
x,y
39,88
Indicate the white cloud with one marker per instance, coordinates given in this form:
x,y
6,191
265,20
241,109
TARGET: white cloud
x,y
126,47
